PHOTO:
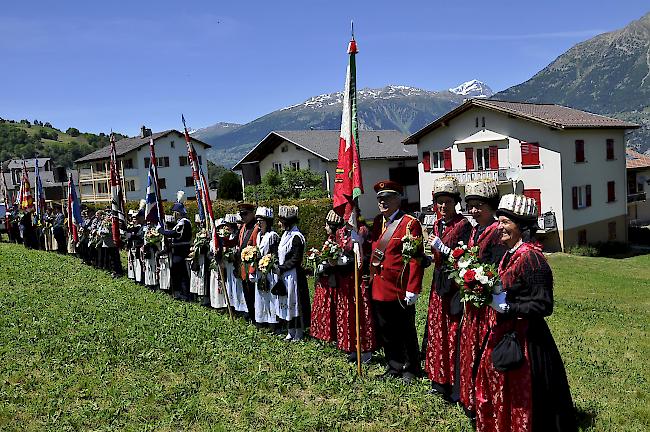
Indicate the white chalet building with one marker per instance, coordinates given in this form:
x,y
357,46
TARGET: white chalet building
x,y
381,152
572,162
133,154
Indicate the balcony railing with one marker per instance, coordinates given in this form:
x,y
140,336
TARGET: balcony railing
x,y
636,197
463,177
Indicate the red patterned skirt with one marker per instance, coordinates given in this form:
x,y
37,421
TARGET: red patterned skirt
x,y
504,399
442,340
323,314
474,330
346,317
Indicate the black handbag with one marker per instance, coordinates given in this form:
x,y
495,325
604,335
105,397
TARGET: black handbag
x,y
279,288
443,283
507,355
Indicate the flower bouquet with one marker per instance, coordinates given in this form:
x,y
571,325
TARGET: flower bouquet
x,y
229,254
223,232
411,247
201,243
477,281
266,264
330,251
313,259
152,236
250,254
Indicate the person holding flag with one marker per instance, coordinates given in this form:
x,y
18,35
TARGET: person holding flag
x,y
26,204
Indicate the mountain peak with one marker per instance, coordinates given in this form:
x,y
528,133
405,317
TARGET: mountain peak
x,y
473,88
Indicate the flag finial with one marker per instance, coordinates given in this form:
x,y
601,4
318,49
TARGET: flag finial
x,y
352,28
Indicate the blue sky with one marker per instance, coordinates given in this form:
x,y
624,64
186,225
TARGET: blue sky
x,y
120,64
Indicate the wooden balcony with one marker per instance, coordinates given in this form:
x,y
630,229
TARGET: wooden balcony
x,y
464,176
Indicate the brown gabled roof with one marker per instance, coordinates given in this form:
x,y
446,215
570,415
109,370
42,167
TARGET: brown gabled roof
x,y
555,116
126,145
373,144
634,159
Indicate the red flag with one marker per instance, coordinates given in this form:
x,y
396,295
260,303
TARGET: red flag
x,y
25,198
348,185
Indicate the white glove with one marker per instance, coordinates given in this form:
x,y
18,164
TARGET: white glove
x,y
343,260
321,268
411,298
252,277
437,244
499,302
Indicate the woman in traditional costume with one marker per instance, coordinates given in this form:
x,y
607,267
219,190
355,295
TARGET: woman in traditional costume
x,y
165,260
266,304
199,266
445,309
150,258
217,281
521,384
292,290
233,279
481,199
346,326
323,315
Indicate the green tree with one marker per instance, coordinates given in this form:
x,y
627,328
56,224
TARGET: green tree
x,y
73,132
288,184
229,186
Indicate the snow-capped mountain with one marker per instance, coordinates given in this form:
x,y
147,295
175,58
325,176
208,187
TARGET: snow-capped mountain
x,y
398,107
473,89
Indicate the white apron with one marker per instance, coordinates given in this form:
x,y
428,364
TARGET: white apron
x,y
235,289
137,266
130,264
150,271
164,272
197,278
217,292
266,304
289,306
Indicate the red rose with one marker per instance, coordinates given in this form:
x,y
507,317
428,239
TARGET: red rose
x,y
469,276
457,253
489,274
456,265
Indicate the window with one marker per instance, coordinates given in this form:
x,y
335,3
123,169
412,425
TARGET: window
x,y
182,160
162,183
284,149
162,161
535,194
438,160
406,176
610,149
611,231
529,154
494,157
295,165
611,191
129,185
581,196
200,161
147,162
127,163
102,188
469,159
580,151
447,159
482,121
171,143
426,161
476,123
277,166
99,166
189,181
483,159
582,237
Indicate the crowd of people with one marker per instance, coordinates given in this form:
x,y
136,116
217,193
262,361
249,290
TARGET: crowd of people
x,y
497,359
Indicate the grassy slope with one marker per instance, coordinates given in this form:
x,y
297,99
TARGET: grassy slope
x,y
81,351
63,137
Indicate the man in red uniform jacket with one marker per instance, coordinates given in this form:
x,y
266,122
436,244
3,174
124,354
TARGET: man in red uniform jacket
x,y
396,281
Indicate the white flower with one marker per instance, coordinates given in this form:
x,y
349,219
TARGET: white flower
x,y
462,272
464,263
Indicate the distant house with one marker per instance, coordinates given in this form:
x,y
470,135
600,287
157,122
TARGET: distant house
x,y
572,162
53,188
174,171
638,181
382,157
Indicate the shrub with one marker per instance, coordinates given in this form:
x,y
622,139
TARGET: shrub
x,y
583,250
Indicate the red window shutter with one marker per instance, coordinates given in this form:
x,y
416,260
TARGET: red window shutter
x,y
535,194
588,195
426,161
580,151
610,149
469,159
611,192
494,157
447,159
525,159
574,193
534,153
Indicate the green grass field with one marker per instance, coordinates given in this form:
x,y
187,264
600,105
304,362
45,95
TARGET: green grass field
x,y
80,351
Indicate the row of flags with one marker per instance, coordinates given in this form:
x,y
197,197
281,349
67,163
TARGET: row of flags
x,y
348,184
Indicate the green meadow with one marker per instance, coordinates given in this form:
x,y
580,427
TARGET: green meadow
x,y
81,351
